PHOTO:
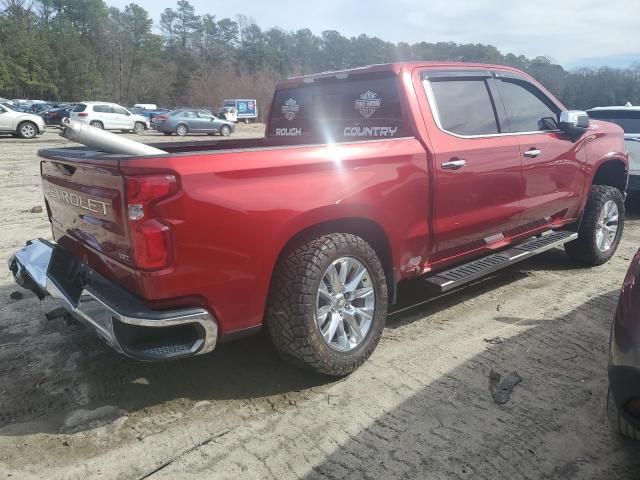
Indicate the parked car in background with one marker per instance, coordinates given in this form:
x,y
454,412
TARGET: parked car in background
x,y
20,124
246,109
149,114
109,116
17,108
185,121
624,357
40,107
54,116
146,106
628,117
228,113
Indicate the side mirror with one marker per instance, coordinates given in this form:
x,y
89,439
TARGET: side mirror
x,y
574,122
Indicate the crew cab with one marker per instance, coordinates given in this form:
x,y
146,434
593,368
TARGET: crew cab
x,y
441,172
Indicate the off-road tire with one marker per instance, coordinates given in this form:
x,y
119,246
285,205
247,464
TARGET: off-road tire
x,y
618,422
139,128
27,130
97,124
584,249
291,306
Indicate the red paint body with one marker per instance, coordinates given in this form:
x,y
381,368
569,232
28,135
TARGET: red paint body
x,y
240,202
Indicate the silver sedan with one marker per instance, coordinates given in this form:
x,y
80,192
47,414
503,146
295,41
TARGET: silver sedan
x,y
185,121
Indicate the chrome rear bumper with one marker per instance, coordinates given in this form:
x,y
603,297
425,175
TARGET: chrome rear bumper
x,y
119,317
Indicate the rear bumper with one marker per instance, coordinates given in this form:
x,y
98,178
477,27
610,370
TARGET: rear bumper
x,y
120,318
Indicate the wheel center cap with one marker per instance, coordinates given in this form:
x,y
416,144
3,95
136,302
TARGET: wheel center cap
x,y
339,301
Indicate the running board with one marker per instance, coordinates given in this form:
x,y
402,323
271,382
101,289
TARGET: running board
x,y
475,269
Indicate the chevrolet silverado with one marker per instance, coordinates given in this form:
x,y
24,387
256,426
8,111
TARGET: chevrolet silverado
x,y
444,172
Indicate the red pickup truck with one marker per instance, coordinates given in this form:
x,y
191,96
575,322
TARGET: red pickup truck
x,y
365,178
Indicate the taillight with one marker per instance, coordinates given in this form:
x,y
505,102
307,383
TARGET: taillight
x,y
150,238
83,114
160,118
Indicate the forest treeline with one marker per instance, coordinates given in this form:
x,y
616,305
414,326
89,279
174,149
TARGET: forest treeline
x,y
83,49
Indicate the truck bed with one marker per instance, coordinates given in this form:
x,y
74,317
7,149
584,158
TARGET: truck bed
x,y
181,148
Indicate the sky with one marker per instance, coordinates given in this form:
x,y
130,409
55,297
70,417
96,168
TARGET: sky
x,y
573,33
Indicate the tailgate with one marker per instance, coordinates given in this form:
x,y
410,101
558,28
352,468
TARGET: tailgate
x,y
85,203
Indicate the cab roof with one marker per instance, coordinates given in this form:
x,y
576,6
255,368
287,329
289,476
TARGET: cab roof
x,y
394,68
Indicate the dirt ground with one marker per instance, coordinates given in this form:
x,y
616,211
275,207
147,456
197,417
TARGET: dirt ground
x,y
421,407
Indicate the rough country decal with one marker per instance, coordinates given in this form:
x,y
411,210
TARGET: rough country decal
x,y
76,200
368,103
288,132
290,108
370,131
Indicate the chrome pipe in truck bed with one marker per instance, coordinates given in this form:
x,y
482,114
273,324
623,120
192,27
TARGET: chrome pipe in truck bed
x,y
104,141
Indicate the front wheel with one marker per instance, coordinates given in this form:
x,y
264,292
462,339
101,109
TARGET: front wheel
x,y
601,227
27,130
139,128
225,130
328,303
182,130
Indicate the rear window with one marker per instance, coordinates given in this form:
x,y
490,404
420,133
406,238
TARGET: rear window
x,y
629,121
339,110
81,107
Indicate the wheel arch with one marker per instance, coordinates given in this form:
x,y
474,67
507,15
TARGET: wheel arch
x,y
612,172
367,229
26,120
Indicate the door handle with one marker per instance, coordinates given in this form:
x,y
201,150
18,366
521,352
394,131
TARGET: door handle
x,y
454,164
532,153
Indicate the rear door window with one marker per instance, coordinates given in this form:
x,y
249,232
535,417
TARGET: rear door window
x,y
528,109
464,107
628,120
340,110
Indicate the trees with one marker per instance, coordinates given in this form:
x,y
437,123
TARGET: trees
x,y
81,49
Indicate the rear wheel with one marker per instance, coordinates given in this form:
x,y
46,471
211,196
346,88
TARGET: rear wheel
x,y
139,128
182,130
27,130
97,124
601,227
328,303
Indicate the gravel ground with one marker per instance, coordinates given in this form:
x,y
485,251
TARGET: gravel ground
x,y
421,407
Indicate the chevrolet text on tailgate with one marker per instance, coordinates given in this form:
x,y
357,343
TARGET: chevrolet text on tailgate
x,y
365,178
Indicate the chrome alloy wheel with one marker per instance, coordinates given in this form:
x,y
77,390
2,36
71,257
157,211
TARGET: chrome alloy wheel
x,y
28,130
607,227
345,304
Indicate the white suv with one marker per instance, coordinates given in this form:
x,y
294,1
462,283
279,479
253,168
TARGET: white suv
x,y
23,125
108,116
628,117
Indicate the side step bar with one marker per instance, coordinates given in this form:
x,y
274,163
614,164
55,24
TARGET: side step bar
x,y
468,272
